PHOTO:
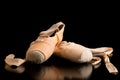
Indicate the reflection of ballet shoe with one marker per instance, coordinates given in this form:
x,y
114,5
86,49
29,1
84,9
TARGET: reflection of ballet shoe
x,y
44,72
49,73
82,71
43,47
53,72
73,52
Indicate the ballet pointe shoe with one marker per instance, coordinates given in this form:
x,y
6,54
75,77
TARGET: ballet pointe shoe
x,y
80,54
43,47
76,53
73,52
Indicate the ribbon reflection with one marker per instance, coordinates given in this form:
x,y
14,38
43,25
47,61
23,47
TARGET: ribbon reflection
x,y
14,69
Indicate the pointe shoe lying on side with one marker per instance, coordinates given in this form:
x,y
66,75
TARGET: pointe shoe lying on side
x,y
43,47
80,54
73,52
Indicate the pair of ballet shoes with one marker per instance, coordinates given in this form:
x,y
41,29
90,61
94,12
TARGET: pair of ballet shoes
x,y
50,41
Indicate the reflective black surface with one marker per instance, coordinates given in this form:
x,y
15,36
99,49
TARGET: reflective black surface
x,y
54,72
58,69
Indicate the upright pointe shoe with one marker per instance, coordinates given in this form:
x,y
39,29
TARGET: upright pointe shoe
x,y
43,47
80,54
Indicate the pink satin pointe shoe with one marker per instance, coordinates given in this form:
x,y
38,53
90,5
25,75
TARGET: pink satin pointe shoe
x,y
80,54
43,47
73,52
40,49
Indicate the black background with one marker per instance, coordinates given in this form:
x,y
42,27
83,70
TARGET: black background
x,y
91,26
